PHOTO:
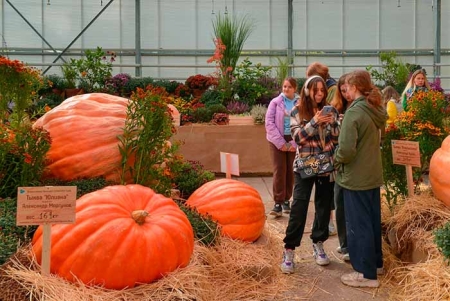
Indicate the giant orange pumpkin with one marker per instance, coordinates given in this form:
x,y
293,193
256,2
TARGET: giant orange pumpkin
x,y
439,169
236,206
84,131
123,235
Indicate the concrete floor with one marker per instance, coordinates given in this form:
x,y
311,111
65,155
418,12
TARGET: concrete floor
x,y
324,284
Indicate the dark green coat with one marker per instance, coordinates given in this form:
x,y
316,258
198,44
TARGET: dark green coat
x,y
358,157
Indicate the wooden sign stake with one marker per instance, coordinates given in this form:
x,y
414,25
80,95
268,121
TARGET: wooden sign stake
x,y
409,180
46,248
228,164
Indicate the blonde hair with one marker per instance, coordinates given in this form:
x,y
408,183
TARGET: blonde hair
x,y
413,77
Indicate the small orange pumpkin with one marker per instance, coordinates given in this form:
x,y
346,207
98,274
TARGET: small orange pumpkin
x,y
236,206
84,130
123,236
439,167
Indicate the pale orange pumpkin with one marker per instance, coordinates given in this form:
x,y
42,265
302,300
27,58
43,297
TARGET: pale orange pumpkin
x,y
123,236
439,168
84,130
236,206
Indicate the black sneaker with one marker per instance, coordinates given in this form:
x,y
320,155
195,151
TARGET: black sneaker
x,y
276,211
286,207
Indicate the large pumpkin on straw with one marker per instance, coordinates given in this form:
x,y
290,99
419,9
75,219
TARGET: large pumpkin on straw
x,y
123,236
84,131
236,206
439,169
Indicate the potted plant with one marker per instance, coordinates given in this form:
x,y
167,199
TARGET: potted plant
x,y
220,119
239,113
199,84
258,113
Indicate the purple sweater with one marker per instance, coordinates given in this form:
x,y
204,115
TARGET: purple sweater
x,y
275,122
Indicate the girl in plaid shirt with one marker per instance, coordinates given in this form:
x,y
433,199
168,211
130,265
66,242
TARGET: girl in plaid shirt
x,y
313,133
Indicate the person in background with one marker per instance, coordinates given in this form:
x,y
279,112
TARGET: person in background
x,y
322,70
282,147
313,133
341,104
417,82
390,100
359,173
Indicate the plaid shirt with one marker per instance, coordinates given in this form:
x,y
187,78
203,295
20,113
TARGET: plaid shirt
x,y
306,135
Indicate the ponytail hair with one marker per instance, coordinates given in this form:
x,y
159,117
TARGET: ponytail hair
x,y
361,79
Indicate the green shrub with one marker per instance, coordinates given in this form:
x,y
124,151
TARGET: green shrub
x,y
83,185
170,86
442,240
202,114
211,97
11,236
190,177
206,231
136,82
218,108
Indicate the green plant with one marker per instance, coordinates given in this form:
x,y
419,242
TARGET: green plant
x,y
282,70
19,84
136,82
11,236
84,186
70,74
202,114
246,84
93,71
258,113
169,85
393,71
442,241
146,134
424,122
22,157
211,97
191,176
206,230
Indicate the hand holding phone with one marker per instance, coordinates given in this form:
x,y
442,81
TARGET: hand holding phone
x,y
327,110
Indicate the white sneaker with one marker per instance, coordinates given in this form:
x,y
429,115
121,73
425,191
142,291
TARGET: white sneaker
x,y
288,265
356,279
319,254
346,257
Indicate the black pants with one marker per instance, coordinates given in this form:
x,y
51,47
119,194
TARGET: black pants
x,y
323,197
363,217
340,217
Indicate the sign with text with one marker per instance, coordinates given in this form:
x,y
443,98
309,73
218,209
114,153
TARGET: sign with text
x,y
46,205
406,152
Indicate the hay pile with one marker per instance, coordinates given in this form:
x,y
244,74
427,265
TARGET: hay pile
x,y
233,270
411,227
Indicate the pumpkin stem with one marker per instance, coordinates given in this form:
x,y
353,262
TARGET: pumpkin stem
x,y
139,216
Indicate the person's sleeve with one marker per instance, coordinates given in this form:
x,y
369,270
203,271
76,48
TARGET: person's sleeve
x,y
272,133
348,136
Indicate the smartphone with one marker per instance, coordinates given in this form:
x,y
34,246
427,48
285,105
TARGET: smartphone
x,y
327,109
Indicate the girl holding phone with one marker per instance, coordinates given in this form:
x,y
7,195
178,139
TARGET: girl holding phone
x,y
313,133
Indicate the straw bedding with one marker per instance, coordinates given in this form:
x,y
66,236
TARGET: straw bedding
x,y
412,225
233,270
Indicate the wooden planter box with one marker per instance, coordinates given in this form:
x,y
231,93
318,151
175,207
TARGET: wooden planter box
x,y
204,143
240,120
